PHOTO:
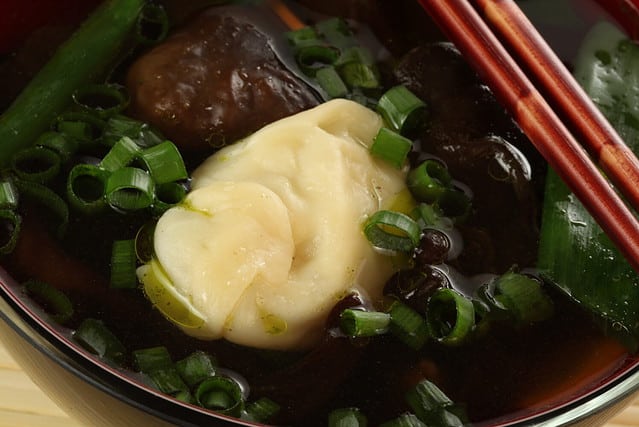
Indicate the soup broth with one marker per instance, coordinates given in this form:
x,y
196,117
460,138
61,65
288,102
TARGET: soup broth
x,y
510,372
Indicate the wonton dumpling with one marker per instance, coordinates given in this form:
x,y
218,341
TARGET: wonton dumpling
x,y
271,236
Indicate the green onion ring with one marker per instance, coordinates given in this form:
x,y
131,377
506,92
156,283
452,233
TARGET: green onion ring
x,y
112,99
428,181
450,316
86,187
220,394
120,155
130,189
54,301
393,231
61,144
47,197
37,164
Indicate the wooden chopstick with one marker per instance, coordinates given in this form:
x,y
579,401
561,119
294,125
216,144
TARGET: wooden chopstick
x,y
473,37
600,138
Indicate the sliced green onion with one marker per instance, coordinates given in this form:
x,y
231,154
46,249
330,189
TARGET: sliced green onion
x,y
401,109
355,54
37,164
393,231
524,297
61,144
120,155
408,325
360,323
152,25
10,224
426,398
167,380
94,336
312,58
152,358
358,74
82,126
185,396
104,100
330,81
261,410
196,367
130,189
450,316
428,215
119,126
405,420
48,198
434,408
168,195
304,36
86,186
84,57
347,417
123,263
8,194
220,394
391,147
54,301
164,163
428,181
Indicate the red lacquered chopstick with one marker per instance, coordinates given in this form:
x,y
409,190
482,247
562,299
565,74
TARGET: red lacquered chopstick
x,y
591,127
465,27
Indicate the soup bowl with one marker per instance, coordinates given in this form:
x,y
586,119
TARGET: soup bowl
x,y
95,391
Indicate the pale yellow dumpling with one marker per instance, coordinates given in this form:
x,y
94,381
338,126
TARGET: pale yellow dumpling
x,y
271,236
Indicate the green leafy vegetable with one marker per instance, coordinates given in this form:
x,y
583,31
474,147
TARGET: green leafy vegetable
x,y
574,251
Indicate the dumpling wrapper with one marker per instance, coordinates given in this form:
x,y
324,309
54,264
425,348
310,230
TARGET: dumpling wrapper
x,y
270,237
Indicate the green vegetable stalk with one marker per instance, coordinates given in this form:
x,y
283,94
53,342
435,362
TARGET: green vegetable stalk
x,y
81,59
574,252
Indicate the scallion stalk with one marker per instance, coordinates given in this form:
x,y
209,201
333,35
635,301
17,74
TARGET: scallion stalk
x,y
46,197
37,164
220,394
402,109
94,335
391,147
80,60
120,155
393,231
408,325
54,301
8,194
450,316
196,367
130,189
104,100
86,187
261,410
123,263
428,181
361,323
164,163
347,417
